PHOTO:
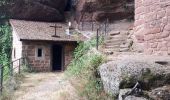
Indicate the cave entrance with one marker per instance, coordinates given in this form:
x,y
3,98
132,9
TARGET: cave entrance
x,y
69,5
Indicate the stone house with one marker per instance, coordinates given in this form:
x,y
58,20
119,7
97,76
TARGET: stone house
x,y
45,50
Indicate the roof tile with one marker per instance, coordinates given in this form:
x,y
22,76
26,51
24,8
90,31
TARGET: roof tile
x,y
32,30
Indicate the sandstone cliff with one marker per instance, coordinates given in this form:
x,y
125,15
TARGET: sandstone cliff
x,y
100,10
53,10
41,10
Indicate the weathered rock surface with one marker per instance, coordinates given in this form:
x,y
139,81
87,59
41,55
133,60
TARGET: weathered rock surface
x,y
161,93
135,98
41,10
123,93
125,73
100,10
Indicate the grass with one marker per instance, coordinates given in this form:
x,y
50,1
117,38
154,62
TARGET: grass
x,y
84,71
10,85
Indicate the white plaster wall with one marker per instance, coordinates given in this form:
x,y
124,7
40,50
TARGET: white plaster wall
x,y
17,44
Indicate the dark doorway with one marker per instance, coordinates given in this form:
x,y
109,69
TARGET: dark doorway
x,y
57,57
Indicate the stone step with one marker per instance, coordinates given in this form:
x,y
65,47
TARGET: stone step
x,y
112,46
114,33
119,38
116,37
124,46
120,35
124,49
114,42
111,49
118,42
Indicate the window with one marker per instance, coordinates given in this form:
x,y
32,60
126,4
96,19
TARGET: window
x,y
39,52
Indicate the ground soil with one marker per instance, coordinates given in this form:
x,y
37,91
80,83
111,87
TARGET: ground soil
x,y
46,86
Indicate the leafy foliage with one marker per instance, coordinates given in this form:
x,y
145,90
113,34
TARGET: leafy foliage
x,y
5,44
4,2
5,48
81,55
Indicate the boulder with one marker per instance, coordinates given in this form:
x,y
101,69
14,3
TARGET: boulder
x,y
125,73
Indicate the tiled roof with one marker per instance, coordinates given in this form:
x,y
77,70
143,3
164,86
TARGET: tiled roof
x,y
31,30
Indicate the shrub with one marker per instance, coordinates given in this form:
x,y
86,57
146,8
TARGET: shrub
x,y
5,47
85,68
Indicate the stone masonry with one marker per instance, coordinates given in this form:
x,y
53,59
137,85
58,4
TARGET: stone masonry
x,y
45,63
152,26
68,54
29,50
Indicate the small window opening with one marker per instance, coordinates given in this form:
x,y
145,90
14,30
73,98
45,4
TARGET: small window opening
x,y
39,52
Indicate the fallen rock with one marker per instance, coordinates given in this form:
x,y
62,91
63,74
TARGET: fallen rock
x,y
125,73
135,98
161,93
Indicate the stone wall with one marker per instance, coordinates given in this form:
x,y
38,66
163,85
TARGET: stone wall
x,y
45,63
37,64
152,26
68,54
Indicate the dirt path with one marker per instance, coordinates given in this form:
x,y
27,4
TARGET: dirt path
x,y
46,86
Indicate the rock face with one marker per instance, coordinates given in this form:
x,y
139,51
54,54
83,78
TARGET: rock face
x,y
121,74
41,10
100,10
85,10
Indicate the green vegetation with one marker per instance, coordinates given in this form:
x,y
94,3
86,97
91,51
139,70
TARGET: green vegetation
x,y
5,47
11,85
5,44
84,71
3,2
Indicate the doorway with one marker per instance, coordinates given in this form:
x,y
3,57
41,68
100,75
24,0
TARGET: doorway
x,y
57,62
